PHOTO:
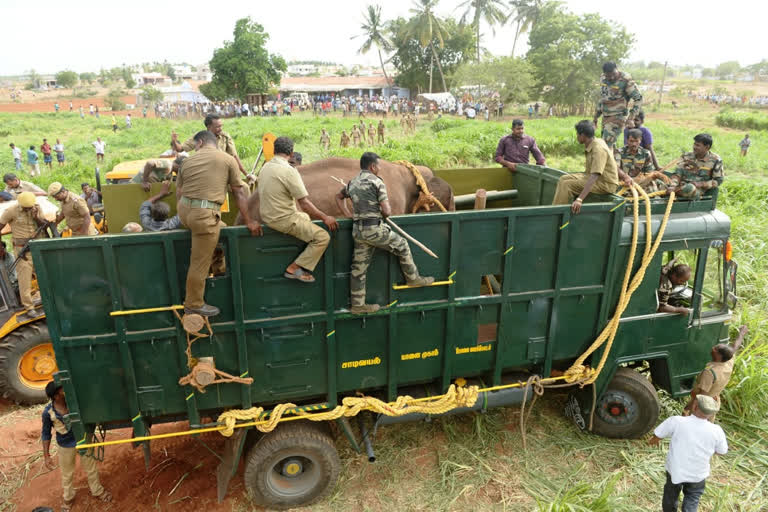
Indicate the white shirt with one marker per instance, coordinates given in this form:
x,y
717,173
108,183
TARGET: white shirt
x,y
16,153
99,146
694,441
58,148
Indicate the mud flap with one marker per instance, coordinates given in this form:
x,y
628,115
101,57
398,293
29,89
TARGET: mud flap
x,y
233,448
575,412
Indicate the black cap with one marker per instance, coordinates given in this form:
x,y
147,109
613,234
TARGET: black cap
x,y
51,388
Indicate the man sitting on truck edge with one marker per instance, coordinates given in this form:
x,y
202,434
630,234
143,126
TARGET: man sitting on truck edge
x,y
280,188
25,218
637,162
201,188
54,418
371,205
672,275
693,442
516,148
600,175
698,171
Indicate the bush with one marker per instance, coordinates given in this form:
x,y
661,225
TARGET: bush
x,y
742,120
114,99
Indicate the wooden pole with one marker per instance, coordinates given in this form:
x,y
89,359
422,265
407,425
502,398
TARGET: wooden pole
x,y
663,77
411,239
480,199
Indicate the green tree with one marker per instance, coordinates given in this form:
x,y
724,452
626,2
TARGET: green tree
x,y
34,79
525,15
114,99
510,77
427,28
492,11
410,58
88,77
151,94
373,32
726,69
568,51
66,79
244,65
130,83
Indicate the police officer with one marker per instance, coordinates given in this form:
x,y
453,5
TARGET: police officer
x,y
157,170
201,188
24,218
224,141
698,171
74,209
371,204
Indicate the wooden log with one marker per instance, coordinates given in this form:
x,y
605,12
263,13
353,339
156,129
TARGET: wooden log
x,y
480,197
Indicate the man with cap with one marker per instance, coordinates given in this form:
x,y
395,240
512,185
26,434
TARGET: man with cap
x,y
74,209
55,419
15,186
693,441
201,188
25,218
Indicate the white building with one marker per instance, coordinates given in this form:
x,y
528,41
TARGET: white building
x,y
203,73
183,72
182,93
154,79
301,69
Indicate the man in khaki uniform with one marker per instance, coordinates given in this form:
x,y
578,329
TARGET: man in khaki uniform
x,y
158,170
600,175
716,374
280,187
24,219
344,143
201,188
356,136
325,139
224,142
74,209
15,186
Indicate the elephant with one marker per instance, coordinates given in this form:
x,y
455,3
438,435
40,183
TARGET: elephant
x,y
401,186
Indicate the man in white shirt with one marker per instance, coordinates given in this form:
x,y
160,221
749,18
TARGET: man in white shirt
x,y
16,156
693,442
99,145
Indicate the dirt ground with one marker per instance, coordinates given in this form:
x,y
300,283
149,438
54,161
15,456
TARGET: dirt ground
x,y
182,471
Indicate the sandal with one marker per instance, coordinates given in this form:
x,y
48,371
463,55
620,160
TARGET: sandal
x,y
67,506
300,275
106,496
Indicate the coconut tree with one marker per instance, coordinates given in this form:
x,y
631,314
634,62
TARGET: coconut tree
x,y
525,14
492,11
426,26
373,32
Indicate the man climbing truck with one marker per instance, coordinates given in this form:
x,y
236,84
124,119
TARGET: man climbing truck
x,y
576,303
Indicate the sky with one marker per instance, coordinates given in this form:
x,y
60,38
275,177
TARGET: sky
x,y
86,35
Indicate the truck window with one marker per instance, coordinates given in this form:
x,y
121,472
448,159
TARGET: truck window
x,y
682,295
712,288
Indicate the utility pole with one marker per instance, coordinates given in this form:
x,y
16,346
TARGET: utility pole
x,y
663,77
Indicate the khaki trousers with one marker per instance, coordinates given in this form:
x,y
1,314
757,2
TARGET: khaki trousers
x,y
92,231
205,225
24,271
301,227
571,185
67,458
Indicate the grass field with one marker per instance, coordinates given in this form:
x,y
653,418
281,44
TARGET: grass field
x,y
476,462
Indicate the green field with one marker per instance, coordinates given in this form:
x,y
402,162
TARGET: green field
x,y
477,461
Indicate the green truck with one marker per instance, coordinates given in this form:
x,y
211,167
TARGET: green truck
x,y
524,289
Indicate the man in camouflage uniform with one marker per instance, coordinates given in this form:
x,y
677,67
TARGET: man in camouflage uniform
x,y
616,90
672,274
224,142
698,171
637,162
371,204
325,140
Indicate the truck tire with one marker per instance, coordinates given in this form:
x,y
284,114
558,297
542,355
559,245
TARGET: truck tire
x,y
295,465
27,363
629,407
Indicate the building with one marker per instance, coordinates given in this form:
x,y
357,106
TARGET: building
x,y
183,93
154,79
301,69
203,73
183,72
341,85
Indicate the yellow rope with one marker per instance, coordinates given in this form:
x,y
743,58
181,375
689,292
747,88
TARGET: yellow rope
x,y
426,198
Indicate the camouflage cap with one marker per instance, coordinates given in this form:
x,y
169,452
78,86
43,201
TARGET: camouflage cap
x,y
707,404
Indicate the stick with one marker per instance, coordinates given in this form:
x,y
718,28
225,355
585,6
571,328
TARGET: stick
x,y
339,180
411,239
670,164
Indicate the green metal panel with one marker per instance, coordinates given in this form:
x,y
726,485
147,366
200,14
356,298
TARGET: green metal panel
x,y
559,279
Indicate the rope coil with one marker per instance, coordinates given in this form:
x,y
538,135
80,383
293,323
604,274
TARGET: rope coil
x,y
426,198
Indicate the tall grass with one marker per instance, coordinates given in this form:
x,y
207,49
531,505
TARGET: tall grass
x,y
742,120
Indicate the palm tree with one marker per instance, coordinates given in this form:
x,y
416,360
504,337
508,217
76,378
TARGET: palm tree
x,y
526,14
426,27
373,31
492,11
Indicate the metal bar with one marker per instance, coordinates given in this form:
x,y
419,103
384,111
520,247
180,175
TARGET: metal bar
x,y
233,264
145,310
506,286
110,265
181,338
553,324
330,323
436,283
346,428
450,314
392,350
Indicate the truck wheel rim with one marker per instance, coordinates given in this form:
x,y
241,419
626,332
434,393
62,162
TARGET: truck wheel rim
x,y
293,476
617,408
37,366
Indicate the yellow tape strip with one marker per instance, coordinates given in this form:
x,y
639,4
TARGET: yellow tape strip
x,y
244,374
138,416
330,333
618,205
436,283
508,250
190,396
391,304
146,310
565,225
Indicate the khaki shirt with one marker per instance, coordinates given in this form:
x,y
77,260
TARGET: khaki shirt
x,y
75,211
206,175
714,378
224,142
23,224
280,186
24,186
161,171
600,161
